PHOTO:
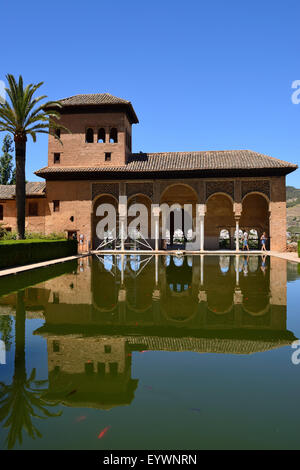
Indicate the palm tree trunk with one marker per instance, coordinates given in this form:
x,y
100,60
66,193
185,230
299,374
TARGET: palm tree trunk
x,y
20,366
20,146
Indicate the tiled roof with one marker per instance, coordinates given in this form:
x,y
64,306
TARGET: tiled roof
x,y
36,188
97,98
184,161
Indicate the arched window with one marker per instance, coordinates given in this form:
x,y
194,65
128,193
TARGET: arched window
x,y
101,136
113,136
89,136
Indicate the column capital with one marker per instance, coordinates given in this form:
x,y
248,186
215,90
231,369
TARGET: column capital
x,y
201,209
238,296
156,294
202,296
156,211
122,295
237,209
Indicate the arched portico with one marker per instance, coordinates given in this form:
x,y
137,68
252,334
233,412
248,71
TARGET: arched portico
x,y
180,223
255,214
219,216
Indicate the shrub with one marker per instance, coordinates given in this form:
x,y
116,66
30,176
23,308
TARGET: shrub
x,y
298,248
21,252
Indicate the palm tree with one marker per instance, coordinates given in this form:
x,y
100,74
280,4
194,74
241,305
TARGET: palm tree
x,y
24,115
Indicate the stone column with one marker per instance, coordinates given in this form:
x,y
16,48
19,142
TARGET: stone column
x,y
237,233
123,220
155,212
201,208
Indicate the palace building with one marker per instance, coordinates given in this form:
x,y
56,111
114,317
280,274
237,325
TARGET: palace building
x,y
229,190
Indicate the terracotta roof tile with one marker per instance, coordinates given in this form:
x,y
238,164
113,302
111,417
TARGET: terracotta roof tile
x,y
35,188
97,98
184,161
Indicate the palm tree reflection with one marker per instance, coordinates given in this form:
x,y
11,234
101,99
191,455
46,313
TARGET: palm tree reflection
x,y
23,399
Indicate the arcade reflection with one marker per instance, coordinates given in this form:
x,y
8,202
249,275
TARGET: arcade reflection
x,y
101,311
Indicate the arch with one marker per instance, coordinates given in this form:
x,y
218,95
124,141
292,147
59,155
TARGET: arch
x,y
89,136
219,193
258,193
140,198
255,213
219,216
113,136
175,198
179,194
101,136
103,199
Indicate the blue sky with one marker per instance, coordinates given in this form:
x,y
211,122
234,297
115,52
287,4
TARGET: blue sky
x,y
202,75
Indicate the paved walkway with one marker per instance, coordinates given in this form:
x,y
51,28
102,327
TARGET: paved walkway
x,y
43,264
288,256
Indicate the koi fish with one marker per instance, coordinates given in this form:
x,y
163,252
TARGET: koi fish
x,y
80,418
103,432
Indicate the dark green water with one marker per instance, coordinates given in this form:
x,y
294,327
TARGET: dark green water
x,y
158,353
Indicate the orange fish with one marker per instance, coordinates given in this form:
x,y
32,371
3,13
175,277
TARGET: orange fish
x,y
103,432
80,418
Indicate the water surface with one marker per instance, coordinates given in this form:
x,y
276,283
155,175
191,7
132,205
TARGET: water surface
x,y
141,352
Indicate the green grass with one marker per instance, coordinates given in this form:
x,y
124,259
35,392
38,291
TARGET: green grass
x,y
29,240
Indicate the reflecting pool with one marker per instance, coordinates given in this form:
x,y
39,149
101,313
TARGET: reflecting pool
x,y
151,352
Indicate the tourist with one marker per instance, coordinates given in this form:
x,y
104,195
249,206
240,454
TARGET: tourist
x,y
245,241
263,264
263,240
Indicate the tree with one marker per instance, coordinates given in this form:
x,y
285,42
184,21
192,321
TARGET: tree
x,y
7,173
21,116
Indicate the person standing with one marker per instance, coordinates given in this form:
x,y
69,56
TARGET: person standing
x,y
263,240
245,241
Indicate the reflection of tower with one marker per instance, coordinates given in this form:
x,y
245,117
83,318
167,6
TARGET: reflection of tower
x,y
90,371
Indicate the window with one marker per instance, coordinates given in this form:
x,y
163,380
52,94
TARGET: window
x,y
113,136
1,212
33,209
101,136
56,158
55,206
57,133
113,368
55,297
55,346
101,368
89,368
107,349
89,136
107,156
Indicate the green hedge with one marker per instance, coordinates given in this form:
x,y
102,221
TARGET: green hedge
x,y
21,252
299,248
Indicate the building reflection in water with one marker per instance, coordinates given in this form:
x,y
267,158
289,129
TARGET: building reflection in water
x,y
109,306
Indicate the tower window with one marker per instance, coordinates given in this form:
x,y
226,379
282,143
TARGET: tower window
x,y
1,212
33,209
56,206
101,136
113,136
57,133
107,156
56,158
89,136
